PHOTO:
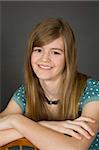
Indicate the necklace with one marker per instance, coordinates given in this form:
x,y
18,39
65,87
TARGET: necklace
x,y
52,102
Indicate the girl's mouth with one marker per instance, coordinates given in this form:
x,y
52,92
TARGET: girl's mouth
x,y
45,67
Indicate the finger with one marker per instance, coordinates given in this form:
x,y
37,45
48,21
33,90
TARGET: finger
x,y
77,128
84,125
72,133
87,119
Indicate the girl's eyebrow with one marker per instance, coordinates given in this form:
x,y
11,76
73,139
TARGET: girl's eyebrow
x,y
53,48
58,49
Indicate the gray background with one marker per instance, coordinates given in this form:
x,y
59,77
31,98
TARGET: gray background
x,y
0,58
18,19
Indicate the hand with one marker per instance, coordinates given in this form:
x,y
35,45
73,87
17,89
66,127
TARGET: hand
x,y
76,128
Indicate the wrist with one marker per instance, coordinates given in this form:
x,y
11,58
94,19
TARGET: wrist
x,y
15,119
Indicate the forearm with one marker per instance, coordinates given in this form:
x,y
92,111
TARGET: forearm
x,y
7,136
43,137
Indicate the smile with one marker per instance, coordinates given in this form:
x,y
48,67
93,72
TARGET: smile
x,y
45,67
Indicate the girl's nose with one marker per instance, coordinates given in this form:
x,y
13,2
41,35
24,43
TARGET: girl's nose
x,y
45,56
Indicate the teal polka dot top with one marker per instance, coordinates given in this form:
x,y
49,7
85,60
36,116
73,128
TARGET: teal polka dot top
x,y
90,93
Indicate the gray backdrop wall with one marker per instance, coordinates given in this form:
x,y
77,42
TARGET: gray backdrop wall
x,y
0,58
18,19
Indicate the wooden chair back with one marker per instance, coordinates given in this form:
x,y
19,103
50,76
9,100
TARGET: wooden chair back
x,y
20,143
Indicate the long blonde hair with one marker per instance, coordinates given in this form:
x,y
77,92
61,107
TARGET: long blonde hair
x,y
72,83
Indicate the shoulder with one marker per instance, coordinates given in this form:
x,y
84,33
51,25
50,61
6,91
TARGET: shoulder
x,y
90,92
17,102
19,97
20,90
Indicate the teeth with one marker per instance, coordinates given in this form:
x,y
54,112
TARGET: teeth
x,y
44,67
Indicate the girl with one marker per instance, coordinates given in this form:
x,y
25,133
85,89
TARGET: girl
x,y
57,108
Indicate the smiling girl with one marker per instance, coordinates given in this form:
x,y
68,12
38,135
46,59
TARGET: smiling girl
x,y
53,109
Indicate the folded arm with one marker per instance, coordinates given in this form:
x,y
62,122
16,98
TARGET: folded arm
x,y
7,136
45,138
76,128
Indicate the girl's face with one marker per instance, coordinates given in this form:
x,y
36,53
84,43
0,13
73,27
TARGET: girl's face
x,y
48,61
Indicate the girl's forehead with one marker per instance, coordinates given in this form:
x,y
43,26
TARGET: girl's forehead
x,y
57,43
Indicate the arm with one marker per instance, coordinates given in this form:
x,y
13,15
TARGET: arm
x,y
7,136
76,128
10,135
47,139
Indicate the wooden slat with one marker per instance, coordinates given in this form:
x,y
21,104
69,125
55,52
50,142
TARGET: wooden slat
x,y
20,143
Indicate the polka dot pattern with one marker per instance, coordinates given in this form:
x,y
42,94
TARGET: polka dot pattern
x,y
91,93
95,144
19,97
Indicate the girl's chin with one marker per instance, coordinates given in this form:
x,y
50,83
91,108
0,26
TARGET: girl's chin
x,y
44,78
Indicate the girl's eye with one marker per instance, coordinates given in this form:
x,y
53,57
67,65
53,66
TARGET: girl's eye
x,y
37,50
56,53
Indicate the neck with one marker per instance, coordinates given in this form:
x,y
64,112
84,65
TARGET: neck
x,y
51,89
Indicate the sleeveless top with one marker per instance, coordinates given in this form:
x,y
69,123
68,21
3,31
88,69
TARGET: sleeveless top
x,y
90,93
